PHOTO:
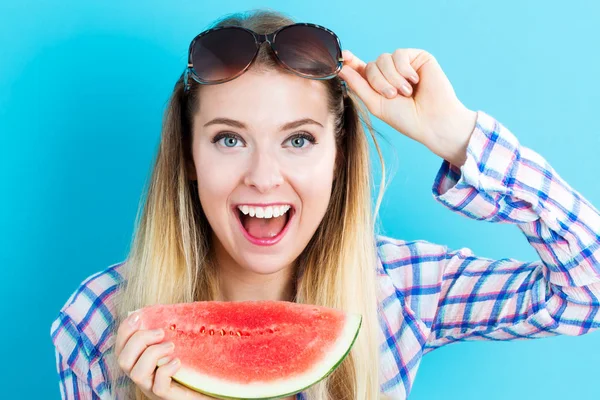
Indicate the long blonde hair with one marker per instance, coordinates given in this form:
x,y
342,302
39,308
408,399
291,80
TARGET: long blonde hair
x,y
170,258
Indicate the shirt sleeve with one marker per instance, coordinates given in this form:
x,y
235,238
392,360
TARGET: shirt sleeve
x,y
72,361
479,298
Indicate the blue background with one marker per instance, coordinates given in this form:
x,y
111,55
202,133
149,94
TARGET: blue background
x,y
82,90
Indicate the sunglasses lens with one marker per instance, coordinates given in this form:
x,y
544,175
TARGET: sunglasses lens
x,y
222,54
308,50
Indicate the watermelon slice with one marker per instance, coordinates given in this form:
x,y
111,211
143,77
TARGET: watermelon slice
x,y
256,349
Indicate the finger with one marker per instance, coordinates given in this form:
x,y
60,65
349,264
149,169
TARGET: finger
x,y
178,391
354,62
168,389
378,81
142,373
127,328
162,378
402,61
361,87
136,345
390,73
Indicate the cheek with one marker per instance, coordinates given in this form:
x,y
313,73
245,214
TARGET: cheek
x,y
215,182
313,182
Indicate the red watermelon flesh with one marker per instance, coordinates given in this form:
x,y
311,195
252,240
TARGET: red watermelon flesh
x,y
257,349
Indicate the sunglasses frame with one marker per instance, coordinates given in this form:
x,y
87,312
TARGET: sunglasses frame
x,y
259,39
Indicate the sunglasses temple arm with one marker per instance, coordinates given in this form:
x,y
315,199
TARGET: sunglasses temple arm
x,y
186,80
344,89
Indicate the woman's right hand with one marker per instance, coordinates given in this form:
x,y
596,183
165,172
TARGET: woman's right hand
x,y
139,351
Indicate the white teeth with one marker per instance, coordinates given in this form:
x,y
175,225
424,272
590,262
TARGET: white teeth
x,y
264,212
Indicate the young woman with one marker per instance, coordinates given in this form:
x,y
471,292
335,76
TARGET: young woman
x,y
261,190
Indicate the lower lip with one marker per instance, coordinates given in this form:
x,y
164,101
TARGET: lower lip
x,y
265,241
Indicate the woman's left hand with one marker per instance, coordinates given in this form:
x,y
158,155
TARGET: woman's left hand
x,y
421,102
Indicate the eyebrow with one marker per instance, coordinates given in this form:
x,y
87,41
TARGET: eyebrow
x,y
241,125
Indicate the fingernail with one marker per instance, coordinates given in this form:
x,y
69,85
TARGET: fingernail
x,y
169,345
389,92
405,89
415,78
157,332
163,361
174,362
134,319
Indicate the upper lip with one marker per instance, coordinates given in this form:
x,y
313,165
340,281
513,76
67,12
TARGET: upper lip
x,y
280,203
237,208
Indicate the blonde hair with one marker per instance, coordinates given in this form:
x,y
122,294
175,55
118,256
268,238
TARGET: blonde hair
x,y
170,258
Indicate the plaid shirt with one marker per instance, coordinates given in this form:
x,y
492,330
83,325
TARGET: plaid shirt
x,y
429,295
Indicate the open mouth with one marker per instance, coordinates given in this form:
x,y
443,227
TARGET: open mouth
x,y
264,225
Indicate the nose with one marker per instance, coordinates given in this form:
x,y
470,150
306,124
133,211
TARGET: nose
x,y
264,173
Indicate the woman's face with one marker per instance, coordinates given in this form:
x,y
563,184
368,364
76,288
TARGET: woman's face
x,y
264,153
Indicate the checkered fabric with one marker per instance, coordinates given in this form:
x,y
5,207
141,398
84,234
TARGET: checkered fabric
x,y
429,295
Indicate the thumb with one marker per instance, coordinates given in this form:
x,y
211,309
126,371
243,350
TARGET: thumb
x,y
360,86
354,62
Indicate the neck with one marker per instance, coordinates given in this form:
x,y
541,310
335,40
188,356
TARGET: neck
x,y
240,284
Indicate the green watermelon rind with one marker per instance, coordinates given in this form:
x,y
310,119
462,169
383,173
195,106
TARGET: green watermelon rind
x,y
218,396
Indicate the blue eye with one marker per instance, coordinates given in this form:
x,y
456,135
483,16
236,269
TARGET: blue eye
x,y
230,141
301,140
227,140
298,141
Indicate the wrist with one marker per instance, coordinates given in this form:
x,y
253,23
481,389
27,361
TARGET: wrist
x,y
452,144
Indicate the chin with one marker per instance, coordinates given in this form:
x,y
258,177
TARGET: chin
x,y
265,264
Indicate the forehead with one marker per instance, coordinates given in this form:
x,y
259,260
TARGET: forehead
x,y
264,98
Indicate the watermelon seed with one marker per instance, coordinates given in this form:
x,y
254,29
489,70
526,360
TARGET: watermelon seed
x,y
231,333
211,332
202,330
239,334
270,330
222,332
172,327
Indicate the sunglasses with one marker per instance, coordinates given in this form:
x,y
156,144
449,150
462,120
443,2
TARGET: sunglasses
x,y
221,54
